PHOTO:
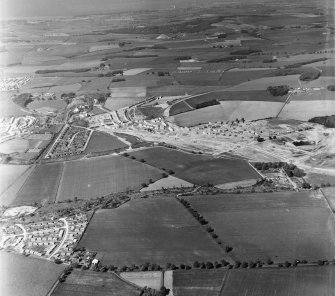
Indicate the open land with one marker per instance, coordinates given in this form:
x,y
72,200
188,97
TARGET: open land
x,y
88,283
280,226
146,240
232,83
21,276
102,142
198,282
307,281
41,185
197,169
98,176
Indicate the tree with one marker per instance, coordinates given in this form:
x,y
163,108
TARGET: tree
x,y
209,265
196,264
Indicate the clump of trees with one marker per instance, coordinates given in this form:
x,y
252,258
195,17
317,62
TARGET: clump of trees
x,y
327,121
291,169
161,73
310,75
245,51
183,58
207,104
331,87
279,90
23,99
118,79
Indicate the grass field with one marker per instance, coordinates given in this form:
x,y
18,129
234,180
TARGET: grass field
x,y
198,282
14,145
178,108
89,178
9,108
330,195
230,78
41,185
114,104
156,230
89,283
197,169
22,276
250,110
280,226
102,142
169,182
311,108
197,78
302,281
53,105
152,279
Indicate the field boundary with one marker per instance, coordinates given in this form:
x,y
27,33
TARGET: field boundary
x,y
9,186
327,202
60,182
224,281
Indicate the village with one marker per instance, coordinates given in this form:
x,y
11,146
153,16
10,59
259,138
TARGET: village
x,y
50,240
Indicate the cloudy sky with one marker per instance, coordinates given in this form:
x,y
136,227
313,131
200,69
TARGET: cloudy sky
x,y
28,8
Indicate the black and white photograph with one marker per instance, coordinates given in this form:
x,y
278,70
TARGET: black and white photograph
x,y
167,148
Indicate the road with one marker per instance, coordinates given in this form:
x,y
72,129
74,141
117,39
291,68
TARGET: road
x,y
25,233
66,225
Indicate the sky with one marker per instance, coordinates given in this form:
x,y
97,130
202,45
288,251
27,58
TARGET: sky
x,y
31,8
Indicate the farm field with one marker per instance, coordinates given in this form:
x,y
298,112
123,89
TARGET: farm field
x,y
51,105
255,95
10,191
198,282
114,104
319,95
277,226
330,195
41,185
126,92
91,283
197,169
180,107
93,177
311,109
230,78
9,174
169,182
301,281
93,84
197,78
22,276
264,82
14,145
172,236
9,108
103,142
204,115
152,279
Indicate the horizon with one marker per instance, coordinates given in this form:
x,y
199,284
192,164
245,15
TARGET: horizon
x,y
14,9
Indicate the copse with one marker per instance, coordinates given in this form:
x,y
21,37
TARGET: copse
x,y
279,90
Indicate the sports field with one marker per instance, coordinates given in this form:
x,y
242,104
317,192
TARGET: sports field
x,y
280,226
41,185
93,177
301,281
22,276
198,282
155,230
197,169
89,283
102,142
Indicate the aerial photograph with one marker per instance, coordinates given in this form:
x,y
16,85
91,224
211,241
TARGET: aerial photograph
x,y
167,148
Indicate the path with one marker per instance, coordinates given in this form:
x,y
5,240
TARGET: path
x,y
25,233
66,225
